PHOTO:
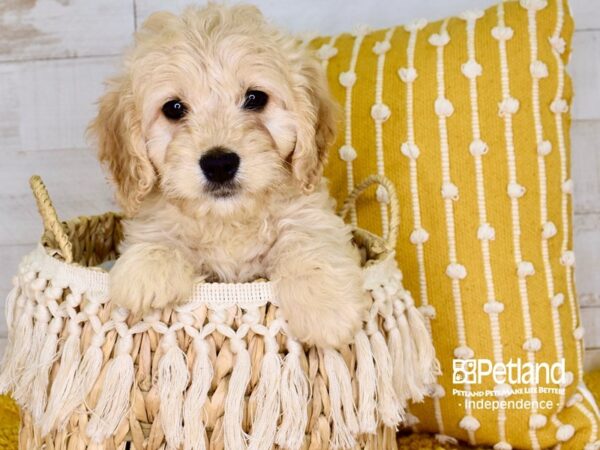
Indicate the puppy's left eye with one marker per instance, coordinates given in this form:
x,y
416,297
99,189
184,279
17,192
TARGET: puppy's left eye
x,y
255,100
174,109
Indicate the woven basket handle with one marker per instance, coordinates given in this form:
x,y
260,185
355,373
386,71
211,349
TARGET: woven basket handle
x,y
50,218
394,219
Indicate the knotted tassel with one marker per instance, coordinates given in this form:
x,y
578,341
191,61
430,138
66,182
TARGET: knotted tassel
x,y
172,381
194,433
398,373
414,385
65,376
387,401
343,415
22,392
39,387
17,351
295,392
114,397
428,367
267,399
367,386
235,437
11,301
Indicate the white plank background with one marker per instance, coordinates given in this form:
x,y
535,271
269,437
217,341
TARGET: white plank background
x,y
54,55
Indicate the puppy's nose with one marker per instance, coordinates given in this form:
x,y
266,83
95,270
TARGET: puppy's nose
x,y
219,164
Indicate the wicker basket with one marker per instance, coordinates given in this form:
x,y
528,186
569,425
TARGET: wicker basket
x,y
221,371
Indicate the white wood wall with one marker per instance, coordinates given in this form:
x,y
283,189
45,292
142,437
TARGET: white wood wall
x,y
54,55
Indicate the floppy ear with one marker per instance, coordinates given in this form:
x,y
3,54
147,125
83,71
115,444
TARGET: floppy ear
x,y
121,146
316,122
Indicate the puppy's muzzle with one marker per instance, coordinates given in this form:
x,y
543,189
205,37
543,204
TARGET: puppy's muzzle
x,y
219,165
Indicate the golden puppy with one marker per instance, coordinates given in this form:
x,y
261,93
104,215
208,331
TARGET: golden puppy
x,y
215,135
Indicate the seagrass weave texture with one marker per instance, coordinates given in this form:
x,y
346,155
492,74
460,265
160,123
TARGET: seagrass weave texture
x,y
220,372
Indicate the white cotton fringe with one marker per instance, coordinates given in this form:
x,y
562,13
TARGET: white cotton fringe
x,y
343,415
267,398
294,399
114,397
235,437
367,386
394,364
194,432
172,382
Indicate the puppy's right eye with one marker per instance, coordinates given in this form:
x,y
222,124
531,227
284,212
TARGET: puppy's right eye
x,y
174,109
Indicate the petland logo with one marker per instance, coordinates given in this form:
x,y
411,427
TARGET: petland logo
x,y
473,371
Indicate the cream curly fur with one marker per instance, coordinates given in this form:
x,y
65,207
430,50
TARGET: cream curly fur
x,y
280,223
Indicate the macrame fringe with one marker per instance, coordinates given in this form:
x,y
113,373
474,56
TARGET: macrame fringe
x,y
22,385
428,366
267,399
64,380
367,386
17,351
114,397
343,416
39,387
235,437
389,407
194,433
414,386
399,375
295,394
172,381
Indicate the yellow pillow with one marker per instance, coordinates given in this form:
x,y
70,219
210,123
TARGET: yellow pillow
x,y
469,118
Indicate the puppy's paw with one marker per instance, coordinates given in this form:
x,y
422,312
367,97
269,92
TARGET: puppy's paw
x,y
149,276
322,310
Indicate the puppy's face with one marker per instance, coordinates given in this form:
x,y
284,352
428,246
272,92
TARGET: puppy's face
x,y
216,108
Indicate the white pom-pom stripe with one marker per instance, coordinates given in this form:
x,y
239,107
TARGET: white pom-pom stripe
x,y
537,421
416,25
502,33
456,271
419,236
486,232
558,300
471,69
382,195
565,432
347,153
410,150
502,445
549,230
407,74
567,186
327,51
578,333
347,79
381,47
538,69
533,5
450,191
478,147
471,14
380,111
469,423
428,311
464,352
515,190
525,269
494,307
559,106
444,107
439,39
508,106
568,258
532,345
575,398
558,44
544,148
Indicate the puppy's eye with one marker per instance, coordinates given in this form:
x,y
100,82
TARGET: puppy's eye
x,y
174,109
255,100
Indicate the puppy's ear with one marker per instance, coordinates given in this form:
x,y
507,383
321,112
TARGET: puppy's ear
x,y
316,122
121,146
